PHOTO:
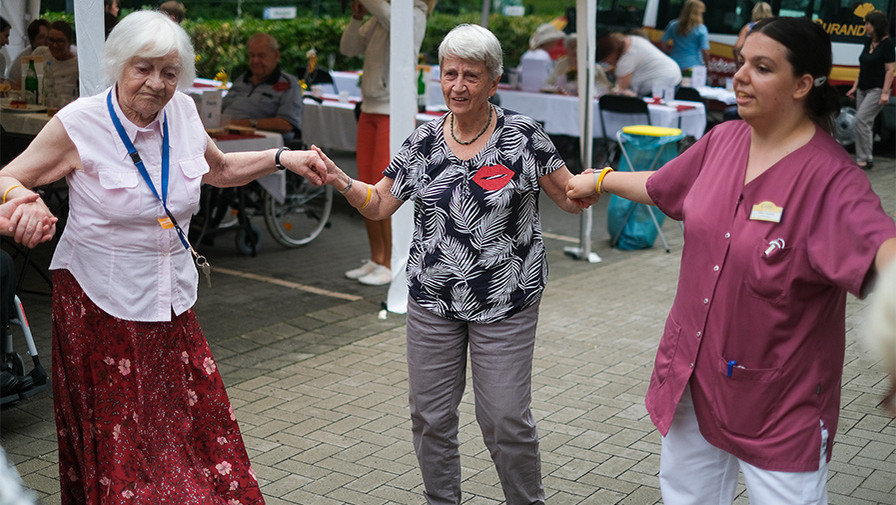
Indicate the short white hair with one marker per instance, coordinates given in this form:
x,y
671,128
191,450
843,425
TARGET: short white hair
x,y
474,43
148,34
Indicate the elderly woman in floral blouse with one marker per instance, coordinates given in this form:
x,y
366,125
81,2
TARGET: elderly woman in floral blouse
x,y
141,411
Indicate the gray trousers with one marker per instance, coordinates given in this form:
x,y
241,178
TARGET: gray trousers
x,y
501,364
867,108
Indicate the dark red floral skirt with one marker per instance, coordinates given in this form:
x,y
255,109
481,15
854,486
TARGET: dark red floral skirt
x,y
141,411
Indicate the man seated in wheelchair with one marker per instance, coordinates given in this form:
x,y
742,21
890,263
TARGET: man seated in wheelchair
x,y
265,97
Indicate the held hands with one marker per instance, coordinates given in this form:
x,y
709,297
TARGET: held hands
x,y
580,189
308,164
333,172
582,186
27,220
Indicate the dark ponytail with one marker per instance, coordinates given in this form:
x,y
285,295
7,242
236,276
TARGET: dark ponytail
x,y
809,52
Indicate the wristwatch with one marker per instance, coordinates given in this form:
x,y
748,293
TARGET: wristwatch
x,y
253,122
277,158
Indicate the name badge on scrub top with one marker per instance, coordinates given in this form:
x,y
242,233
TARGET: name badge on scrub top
x,y
766,211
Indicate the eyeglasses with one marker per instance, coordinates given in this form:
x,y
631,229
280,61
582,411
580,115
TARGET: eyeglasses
x,y
57,41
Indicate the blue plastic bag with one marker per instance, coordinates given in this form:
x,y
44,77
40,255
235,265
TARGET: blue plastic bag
x,y
629,223
639,231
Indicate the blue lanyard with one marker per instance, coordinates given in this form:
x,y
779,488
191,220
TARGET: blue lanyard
x,y
135,157
201,262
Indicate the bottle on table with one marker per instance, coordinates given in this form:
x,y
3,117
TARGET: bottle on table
x,y
49,86
421,92
32,95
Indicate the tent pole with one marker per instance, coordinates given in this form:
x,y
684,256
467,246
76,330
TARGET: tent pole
x,y
486,8
585,23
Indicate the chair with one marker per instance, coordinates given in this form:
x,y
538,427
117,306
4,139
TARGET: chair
x,y
320,76
644,148
628,109
687,94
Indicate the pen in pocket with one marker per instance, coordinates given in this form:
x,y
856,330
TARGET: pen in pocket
x,y
732,365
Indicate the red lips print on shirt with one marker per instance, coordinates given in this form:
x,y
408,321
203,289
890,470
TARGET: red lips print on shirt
x,y
493,177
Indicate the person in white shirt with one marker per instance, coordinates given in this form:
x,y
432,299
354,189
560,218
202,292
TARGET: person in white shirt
x,y
38,31
370,37
59,55
564,78
638,64
5,28
536,65
130,361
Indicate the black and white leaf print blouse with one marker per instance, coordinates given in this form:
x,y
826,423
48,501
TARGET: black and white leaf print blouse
x,y
477,253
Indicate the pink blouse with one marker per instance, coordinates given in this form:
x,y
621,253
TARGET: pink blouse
x,y
113,243
758,323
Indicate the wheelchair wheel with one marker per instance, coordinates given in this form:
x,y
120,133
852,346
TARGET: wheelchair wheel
x,y
248,240
844,124
302,215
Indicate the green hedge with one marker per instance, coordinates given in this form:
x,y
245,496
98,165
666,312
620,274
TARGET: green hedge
x,y
220,43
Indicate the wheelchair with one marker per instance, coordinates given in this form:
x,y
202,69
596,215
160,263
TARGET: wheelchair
x,y
293,221
17,382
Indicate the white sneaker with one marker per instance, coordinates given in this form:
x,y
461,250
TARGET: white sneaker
x,y
361,271
380,276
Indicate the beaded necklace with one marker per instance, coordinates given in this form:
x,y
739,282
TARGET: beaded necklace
x,y
484,128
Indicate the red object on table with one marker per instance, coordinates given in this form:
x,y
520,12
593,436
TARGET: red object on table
x,y
236,136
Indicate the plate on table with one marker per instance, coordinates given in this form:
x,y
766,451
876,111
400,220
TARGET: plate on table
x,y
31,107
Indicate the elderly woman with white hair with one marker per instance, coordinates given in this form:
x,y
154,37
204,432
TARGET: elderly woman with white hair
x,y
141,410
476,269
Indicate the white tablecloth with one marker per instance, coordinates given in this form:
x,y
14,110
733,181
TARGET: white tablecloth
x,y
719,94
28,123
332,124
275,183
560,114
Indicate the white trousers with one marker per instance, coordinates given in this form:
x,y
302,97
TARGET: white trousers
x,y
694,472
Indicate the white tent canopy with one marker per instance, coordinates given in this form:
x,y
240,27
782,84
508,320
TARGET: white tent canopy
x,y
91,36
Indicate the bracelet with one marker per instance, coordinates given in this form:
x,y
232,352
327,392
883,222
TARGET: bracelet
x,y
277,157
14,186
347,186
599,181
367,201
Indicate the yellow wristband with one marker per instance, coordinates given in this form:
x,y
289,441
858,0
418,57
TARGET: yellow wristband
x,y
369,192
10,189
598,185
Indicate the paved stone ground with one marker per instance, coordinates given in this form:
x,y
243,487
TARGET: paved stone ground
x,y
319,382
